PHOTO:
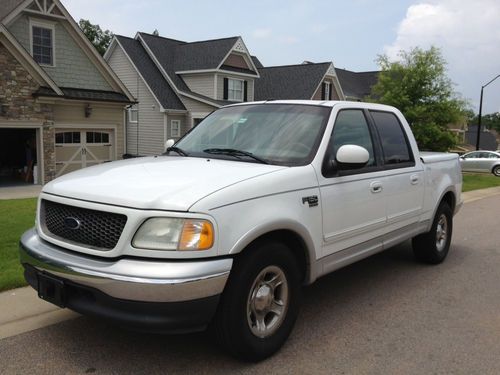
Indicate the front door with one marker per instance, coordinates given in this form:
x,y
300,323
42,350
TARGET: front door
x,y
353,202
76,149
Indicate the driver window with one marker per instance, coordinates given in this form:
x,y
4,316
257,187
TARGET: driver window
x,y
351,128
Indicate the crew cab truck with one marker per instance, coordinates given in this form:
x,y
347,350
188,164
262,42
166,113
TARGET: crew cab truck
x,y
225,228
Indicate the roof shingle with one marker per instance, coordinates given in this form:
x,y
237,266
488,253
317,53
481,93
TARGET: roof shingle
x,y
356,85
289,81
153,77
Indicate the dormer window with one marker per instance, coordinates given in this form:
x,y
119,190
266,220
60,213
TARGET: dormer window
x,y
327,91
235,90
42,43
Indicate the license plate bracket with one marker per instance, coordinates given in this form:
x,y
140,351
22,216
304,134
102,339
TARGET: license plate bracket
x,y
51,289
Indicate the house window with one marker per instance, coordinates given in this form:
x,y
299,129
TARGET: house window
x,y
133,115
235,90
97,137
327,91
42,43
67,137
175,128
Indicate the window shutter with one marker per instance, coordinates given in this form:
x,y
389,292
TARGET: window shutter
x,y
323,90
245,91
330,92
226,84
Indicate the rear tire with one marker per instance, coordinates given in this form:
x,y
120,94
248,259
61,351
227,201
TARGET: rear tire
x,y
496,171
260,303
432,247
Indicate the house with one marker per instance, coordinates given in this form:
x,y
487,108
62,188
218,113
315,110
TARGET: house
x,y
317,81
61,105
178,83
487,139
356,85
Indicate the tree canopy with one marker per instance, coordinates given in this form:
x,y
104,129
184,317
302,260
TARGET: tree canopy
x,y
99,38
418,86
490,121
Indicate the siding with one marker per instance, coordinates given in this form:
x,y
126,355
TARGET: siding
x,y
195,106
151,127
72,66
317,94
237,61
220,86
201,83
185,126
103,116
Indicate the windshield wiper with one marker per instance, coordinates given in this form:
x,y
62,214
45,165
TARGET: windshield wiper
x,y
235,153
180,151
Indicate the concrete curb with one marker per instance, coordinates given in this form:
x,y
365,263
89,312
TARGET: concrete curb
x,y
26,312
474,195
23,311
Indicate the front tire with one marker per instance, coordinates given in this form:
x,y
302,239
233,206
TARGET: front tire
x,y
432,247
260,303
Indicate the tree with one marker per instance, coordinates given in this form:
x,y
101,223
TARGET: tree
x,y
99,38
490,121
417,85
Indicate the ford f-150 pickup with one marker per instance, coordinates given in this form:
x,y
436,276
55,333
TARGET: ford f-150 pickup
x,y
225,228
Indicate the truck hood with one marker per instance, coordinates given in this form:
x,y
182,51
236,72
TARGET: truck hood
x,y
160,182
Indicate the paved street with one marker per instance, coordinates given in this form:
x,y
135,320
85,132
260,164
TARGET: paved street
x,y
384,315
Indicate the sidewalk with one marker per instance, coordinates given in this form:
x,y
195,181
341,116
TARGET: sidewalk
x,y
27,312
17,192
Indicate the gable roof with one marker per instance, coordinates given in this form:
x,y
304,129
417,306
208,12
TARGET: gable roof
x,y
257,62
153,78
290,81
173,56
356,84
55,9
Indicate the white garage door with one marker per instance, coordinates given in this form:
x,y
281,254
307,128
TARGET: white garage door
x,y
77,149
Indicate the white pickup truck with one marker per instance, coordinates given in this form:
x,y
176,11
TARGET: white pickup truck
x,y
226,227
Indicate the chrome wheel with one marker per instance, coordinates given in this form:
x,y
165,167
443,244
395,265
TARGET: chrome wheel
x,y
267,302
441,233
496,171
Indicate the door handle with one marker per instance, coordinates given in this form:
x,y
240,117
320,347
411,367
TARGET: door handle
x,y
376,187
414,179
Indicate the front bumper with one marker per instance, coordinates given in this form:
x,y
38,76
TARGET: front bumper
x,y
171,295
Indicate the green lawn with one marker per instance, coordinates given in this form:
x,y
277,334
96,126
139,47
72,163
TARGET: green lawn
x,y
16,216
474,181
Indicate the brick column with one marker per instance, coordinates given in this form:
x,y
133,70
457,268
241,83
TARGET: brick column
x,y
49,154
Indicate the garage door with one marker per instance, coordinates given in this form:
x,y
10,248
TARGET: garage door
x,y
77,149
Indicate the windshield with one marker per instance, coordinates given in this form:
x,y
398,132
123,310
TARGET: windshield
x,y
283,134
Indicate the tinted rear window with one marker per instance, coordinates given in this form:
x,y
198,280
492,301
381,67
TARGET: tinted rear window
x,y
394,143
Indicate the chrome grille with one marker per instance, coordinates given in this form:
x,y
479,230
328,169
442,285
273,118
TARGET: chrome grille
x,y
96,229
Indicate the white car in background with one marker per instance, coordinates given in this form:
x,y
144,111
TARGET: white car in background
x,y
481,161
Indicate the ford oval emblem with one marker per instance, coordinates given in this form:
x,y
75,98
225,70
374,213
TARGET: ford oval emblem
x,y
72,223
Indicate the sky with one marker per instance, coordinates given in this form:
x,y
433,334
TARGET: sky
x,y
350,33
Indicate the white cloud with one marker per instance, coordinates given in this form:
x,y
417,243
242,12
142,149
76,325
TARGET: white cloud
x,y
467,33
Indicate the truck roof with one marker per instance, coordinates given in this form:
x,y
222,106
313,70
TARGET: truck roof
x,y
325,103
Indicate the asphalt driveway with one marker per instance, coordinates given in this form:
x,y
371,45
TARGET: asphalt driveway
x,y
384,315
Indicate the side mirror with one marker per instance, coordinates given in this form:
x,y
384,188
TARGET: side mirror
x,y
168,143
347,157
352,157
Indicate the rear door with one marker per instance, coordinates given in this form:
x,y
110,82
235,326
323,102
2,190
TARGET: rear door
x,y
404,183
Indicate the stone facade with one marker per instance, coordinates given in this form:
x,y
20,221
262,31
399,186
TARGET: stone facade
x,y
18,104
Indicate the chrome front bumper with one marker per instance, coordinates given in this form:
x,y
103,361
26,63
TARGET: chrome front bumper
x,y
129,279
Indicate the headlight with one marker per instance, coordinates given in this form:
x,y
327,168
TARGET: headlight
x,y
174,234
